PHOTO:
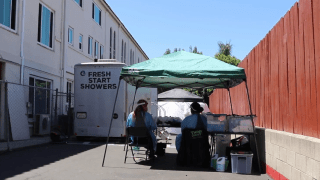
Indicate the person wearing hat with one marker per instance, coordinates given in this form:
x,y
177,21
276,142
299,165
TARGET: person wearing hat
x,y
190,122
141,118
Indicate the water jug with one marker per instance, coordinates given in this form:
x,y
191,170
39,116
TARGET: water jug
x,y
213,163
221,164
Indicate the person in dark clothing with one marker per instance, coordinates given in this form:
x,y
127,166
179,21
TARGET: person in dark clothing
x,y
193,144
190,122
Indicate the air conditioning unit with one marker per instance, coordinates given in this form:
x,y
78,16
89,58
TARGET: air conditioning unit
x,y
42,124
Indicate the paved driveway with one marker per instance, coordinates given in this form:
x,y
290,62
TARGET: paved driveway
x,y
84,160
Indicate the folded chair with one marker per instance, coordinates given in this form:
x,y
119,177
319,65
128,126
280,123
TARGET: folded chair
x,y
141,138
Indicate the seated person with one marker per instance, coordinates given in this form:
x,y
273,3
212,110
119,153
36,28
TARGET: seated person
x,y
141,118
190,122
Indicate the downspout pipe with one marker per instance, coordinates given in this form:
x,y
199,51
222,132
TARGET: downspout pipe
x,y
64,45
22,44
65,51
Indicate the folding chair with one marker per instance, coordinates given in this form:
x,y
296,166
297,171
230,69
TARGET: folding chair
x,y
142,138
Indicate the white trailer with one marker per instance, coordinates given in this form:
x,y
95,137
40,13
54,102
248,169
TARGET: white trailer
x,y
95,88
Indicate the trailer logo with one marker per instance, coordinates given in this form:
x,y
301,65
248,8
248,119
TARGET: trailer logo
x,y
82,73
98,80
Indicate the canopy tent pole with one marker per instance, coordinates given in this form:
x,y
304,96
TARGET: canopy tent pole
x,y
230,101
254,129
114,105
134,97
227,87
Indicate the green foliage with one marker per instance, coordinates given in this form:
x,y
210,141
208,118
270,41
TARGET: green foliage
x,y
228,59
199,92
195,50
168,51
225,48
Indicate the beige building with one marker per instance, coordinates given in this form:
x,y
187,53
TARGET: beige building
x,y
42,40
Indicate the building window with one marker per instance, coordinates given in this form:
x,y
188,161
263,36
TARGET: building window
x,y
80,41
101,51
90,45
114,45
8,13
69,89
39,95
96,14
70,35
133,57
110,56
45,23
122,51
96,49
79,2
125,52
138,60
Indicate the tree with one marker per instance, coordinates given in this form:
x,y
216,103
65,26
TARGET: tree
x,y
225,48
228,59
224,54
195,50
168,51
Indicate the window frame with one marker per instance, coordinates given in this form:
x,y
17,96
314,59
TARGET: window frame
x,y
51,33
125,52
80,43
122,51
114,45
101,51
48,98
72,30
110,54
15,18
70,88
96,49
80,3
131,57
94,14
90,48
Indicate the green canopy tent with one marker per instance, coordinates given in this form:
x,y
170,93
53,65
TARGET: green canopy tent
x,y
184,70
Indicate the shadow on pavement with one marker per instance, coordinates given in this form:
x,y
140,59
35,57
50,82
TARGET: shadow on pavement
x,y
168,162
26,159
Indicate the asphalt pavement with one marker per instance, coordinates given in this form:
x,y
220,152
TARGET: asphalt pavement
x,y
83,160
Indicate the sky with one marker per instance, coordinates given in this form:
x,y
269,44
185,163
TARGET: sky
x,y
161,24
